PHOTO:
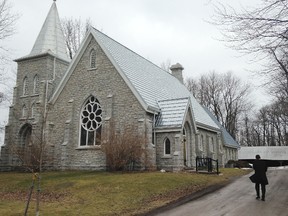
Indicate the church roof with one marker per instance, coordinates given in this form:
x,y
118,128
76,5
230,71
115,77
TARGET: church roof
x,y
150,84
51,38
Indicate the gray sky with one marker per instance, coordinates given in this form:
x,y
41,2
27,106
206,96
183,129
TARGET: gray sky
x,y
156,29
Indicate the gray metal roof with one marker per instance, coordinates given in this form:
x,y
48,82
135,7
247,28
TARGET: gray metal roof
x,y
228,139
151,83
172,112
50,38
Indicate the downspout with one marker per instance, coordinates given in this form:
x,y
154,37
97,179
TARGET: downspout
x,y
46,90
154,132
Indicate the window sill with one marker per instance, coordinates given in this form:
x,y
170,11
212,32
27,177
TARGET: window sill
x,y
98,147
166,157
24,96
91,69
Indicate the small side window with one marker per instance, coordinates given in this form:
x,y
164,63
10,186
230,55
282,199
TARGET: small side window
x,y
167,147
25,86
33,110
93,59
24,111
36,84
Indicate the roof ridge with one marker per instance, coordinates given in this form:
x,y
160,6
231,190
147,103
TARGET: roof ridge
x,y
181,98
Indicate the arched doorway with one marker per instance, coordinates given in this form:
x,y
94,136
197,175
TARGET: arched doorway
x,y
25,135
24,149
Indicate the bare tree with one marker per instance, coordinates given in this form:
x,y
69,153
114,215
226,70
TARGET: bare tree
x,y
268,127
7,20
223,94
166,65
74,31
7,29
262,32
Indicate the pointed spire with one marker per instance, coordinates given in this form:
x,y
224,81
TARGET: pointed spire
x,y
51,38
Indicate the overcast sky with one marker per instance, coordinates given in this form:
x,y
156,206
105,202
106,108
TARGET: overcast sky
x,y
156,29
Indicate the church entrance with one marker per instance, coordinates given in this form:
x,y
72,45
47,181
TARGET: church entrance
x,y
24,151
25,135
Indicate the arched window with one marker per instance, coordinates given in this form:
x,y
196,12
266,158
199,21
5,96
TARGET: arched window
x,y
36,84
167,147
24,111
201,144
93,59
25,86
91,121
33,110
212,149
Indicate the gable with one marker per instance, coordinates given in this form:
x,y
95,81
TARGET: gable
x,y
172,112
103,82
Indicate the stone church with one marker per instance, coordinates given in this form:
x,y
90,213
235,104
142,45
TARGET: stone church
x,y
70,103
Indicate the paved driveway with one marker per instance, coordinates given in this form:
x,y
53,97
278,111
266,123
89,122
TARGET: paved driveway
x,y
238,198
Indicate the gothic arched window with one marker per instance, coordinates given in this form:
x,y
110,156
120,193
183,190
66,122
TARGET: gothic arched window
x,y
25,86
33,110
93,59
201,144
91,121
167,147
211,143
24,111
36,84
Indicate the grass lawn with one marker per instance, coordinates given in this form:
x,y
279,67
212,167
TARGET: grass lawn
x,y
102,193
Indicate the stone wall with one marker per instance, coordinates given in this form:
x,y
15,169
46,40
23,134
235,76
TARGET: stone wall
x,y
118,102
46,67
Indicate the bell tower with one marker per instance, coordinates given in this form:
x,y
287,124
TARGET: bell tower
x,y
38,75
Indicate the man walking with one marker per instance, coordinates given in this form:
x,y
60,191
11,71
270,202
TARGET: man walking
x,y
260,177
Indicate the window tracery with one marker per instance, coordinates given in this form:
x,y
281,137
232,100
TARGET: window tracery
x,y
91,121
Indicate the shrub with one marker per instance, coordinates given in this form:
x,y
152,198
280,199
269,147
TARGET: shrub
x,y
125,150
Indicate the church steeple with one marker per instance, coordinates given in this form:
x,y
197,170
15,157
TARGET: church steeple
x,y
51,38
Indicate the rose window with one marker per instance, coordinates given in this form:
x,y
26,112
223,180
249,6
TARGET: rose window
x,y
91,117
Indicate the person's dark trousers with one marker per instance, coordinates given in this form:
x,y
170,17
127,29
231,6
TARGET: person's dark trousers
x,y
263,190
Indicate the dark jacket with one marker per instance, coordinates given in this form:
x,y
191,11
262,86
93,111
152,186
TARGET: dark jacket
x,y
260,172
